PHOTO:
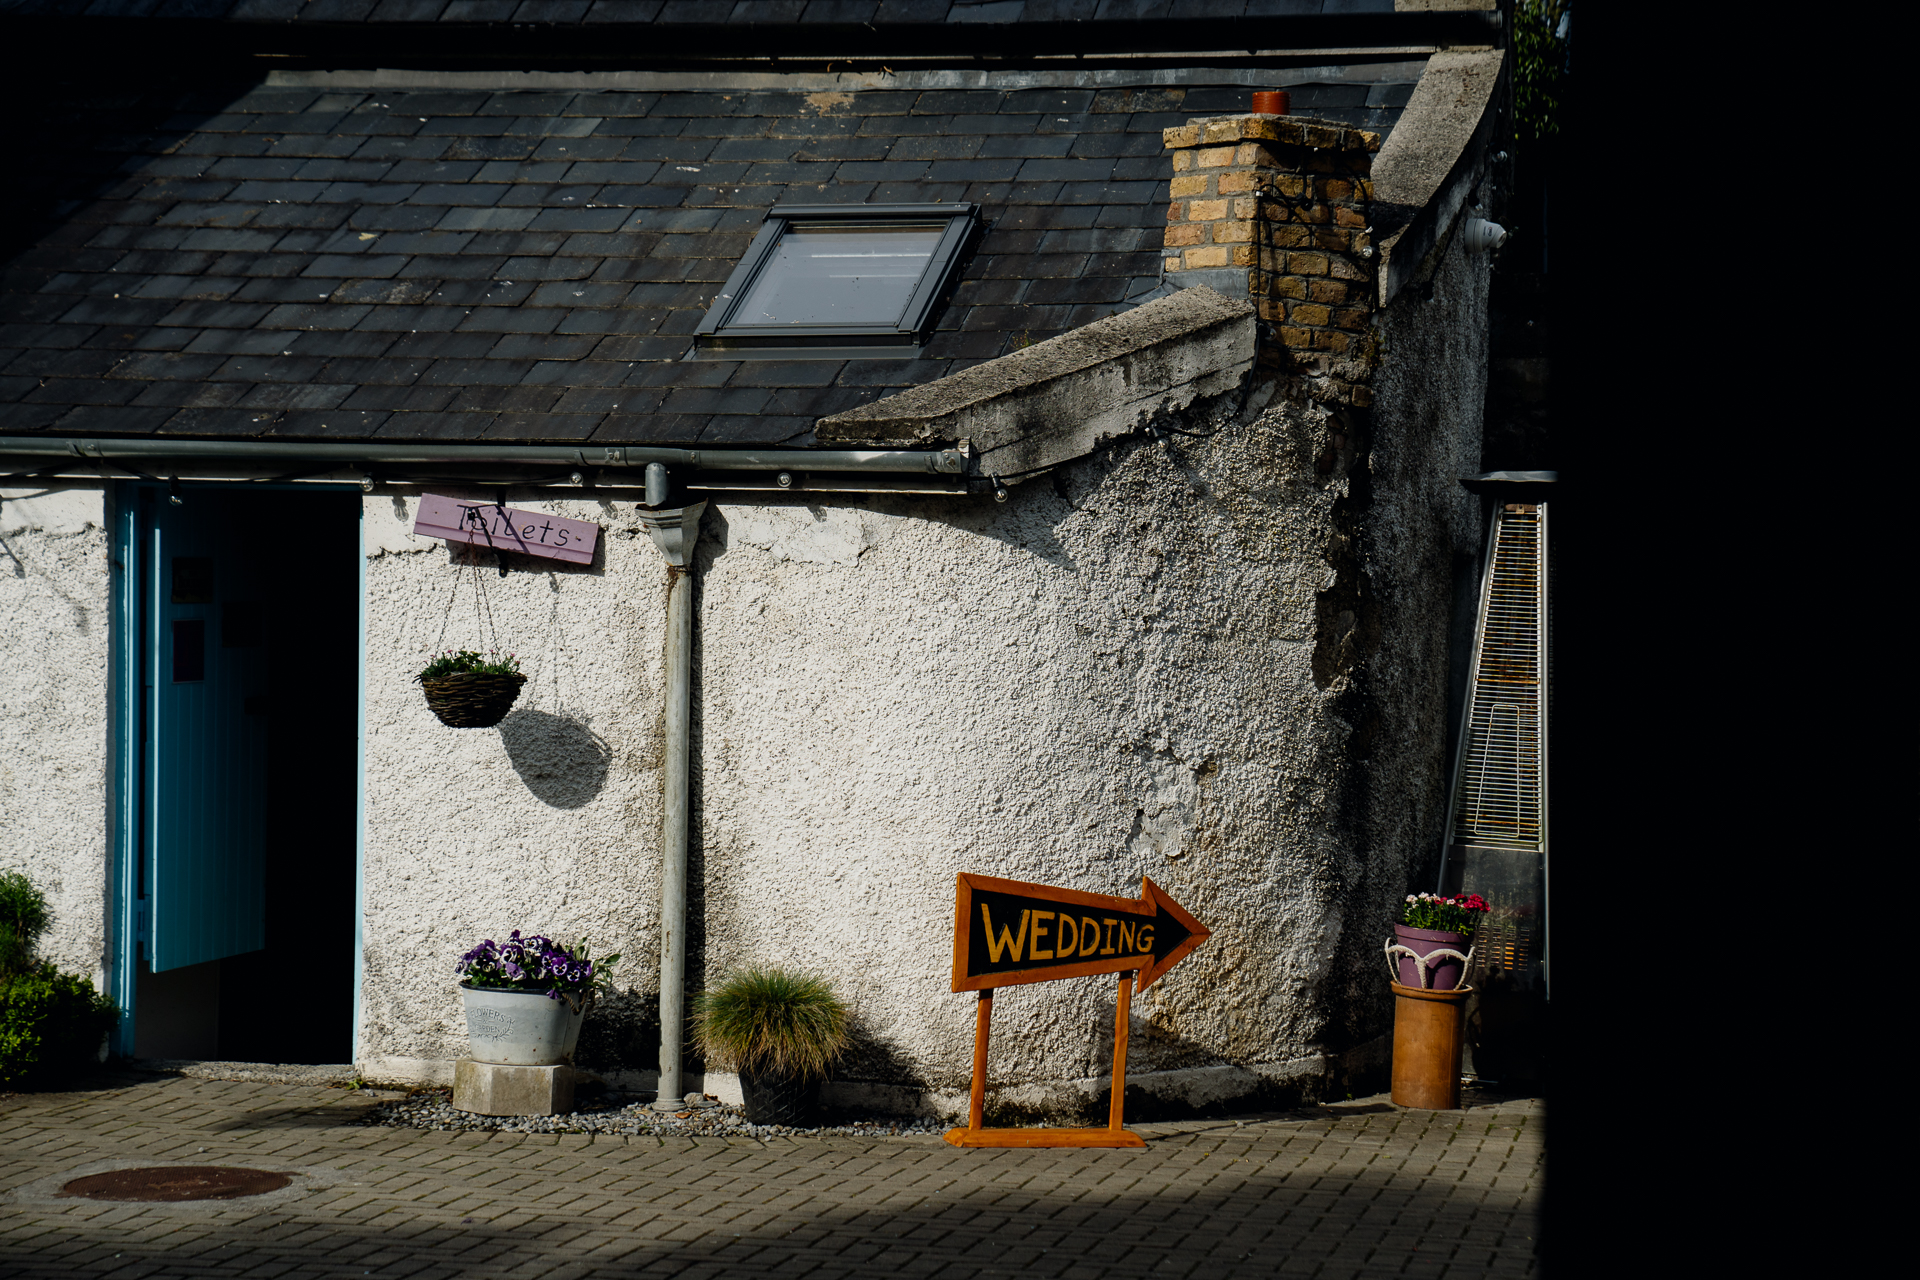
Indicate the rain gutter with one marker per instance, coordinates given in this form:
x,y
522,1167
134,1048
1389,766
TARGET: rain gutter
x,y
936,462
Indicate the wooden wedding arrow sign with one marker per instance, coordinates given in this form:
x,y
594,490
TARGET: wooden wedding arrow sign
x,y
1007,932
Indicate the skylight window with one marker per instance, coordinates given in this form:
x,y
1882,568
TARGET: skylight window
x,y
837,281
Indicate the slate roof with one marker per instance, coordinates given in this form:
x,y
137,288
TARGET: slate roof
x,y
466,265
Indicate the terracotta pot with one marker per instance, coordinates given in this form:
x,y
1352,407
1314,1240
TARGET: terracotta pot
x,y
1443,974
1428,1032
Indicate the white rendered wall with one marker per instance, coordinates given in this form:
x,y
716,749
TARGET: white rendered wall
x,y
548,823
54,709
1096,680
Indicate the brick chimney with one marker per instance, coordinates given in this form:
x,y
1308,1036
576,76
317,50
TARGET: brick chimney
x,y
1285,198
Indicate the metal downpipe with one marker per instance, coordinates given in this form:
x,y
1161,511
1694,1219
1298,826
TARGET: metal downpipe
x,y
675,532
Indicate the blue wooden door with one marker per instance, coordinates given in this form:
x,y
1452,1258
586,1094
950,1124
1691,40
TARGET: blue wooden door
x,y
205,742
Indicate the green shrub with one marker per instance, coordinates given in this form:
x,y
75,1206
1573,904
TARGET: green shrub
x,y
23,918
50,1025
771,1022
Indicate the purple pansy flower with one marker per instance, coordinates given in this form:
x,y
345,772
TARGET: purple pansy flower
x,y
536,963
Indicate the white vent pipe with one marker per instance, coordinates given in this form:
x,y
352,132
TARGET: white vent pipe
x,y
1484,236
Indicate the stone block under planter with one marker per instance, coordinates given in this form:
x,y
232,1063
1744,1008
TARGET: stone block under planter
x,y
489,1089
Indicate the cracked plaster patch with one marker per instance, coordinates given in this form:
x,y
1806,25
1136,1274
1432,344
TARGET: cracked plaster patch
x,y
835,535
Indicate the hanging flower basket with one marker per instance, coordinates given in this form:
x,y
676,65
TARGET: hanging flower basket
x,y
472,702
468,691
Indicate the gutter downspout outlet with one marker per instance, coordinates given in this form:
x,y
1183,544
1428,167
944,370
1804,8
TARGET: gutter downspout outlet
x,y
675,532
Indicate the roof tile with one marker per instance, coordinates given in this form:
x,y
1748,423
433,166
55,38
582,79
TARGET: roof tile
x,y
543,346
463,373
306,395
373,372
82,391
190,395
435,426
456,346
118,420
241,341
358,342
609,399
518,399
543,425
753,429
582,374
327,424
22,418
642,428
389,398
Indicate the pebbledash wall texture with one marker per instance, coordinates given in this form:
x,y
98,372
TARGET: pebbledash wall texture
x,y
55,625
1217,658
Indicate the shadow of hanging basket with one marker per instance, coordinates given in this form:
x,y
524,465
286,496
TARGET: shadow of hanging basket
x,y
472,701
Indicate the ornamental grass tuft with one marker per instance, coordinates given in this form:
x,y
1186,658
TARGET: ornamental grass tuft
x,y
768,1021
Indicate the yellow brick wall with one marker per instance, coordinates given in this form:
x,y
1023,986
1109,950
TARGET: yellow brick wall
x,y
1287,197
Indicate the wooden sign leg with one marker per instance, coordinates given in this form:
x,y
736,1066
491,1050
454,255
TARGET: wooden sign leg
x,y
976,1134
977,1106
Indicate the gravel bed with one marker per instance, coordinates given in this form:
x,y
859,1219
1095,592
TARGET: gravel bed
x,y
621,1114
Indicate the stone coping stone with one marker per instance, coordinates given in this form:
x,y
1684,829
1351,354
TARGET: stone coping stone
x,y
1288,130
918,414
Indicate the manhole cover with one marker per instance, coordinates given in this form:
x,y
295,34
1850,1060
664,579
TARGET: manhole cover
x,y
176,1182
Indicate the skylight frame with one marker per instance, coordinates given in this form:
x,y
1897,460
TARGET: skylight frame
x,y
719,338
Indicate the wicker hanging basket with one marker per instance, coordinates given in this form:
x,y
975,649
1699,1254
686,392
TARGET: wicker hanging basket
x,y
472,701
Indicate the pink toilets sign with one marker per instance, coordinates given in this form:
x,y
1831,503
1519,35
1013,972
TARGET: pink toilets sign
x,y
530,533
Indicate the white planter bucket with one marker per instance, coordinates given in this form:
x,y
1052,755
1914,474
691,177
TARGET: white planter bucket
x,y
521,1028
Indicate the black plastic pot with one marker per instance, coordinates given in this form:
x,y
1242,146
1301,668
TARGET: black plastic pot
x,y
778,1099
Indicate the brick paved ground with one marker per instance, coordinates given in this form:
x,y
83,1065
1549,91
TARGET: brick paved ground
x,y
1359,1189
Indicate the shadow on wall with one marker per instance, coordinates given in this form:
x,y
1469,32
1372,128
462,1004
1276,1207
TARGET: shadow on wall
x,y
562,760
871,1058
622,1033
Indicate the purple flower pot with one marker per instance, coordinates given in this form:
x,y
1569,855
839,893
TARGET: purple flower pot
x,y
1443,974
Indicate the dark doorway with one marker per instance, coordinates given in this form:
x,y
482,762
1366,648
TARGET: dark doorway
x,y
249,622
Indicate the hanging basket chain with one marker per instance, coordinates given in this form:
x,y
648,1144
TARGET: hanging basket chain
x,y
482,605
485,632
473,701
